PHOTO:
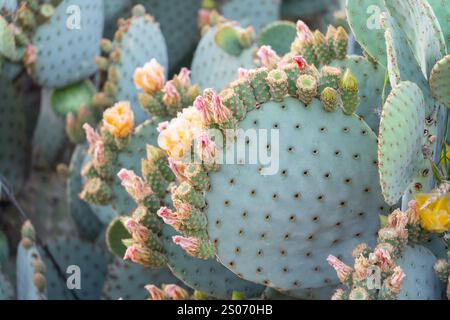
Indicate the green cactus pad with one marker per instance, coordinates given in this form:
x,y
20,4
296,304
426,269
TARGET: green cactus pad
x,y
248,14
364,18
91,259
403,66
115,233
49,135
212,67
71,98
88,225
207,276
126,280
440,81
420,26
13,138
7,42
6,288
178,21
227,38
421,282
441,9
279,35
65,49
370,83
400,139
140,43
325,198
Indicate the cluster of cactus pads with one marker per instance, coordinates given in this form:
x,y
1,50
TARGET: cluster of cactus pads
x,y
218,149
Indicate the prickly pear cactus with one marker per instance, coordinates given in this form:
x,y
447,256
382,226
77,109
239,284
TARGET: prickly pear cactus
x,y
137,40
75,257
219,56
258,232
441,9
88,225
31,270
65,56
440,79
13,159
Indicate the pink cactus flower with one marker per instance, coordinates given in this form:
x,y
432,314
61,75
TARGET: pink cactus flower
x,y
177,168
135,186
92,137
100,157
206,149
138,254
168,216
381,258
221,114
395,281
190,245
304,34
200,105
268,57
171,95
156,293
163,126
184,78
175,292
139,232
203,17
301,63
343,271
242,73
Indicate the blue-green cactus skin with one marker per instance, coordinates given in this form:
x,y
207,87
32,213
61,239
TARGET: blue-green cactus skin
x,y
325,197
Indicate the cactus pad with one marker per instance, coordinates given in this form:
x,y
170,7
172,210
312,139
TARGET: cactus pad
x,y
324,198
67,56
212,67
6,289
71,98
421,282
441,9
279,35
440,81
91,260
400,139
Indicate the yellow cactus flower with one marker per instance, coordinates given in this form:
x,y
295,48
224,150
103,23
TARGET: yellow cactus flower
x,y
434,217
119,119
150,78
177,139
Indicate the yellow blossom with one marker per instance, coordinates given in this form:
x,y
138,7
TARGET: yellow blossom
x,y
434,217
150,78
119,119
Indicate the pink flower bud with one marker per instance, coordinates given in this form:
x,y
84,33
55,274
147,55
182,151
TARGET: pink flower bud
x,y
221,114
177,168
139,232
156,293
343,271
175,292
381,258
301,63
268,57
190,245
168,216
200,105
242,73
92,137
171,95
134,185
100,157
395,281
163,126
206,149
304,34
184,77
138,254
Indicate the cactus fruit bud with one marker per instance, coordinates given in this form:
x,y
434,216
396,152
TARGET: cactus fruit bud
x,y
358,293
244,90
212,108
102,63
350,92
97,192
268,57
139,232
150,78
340,294
301,64
197,176
231,100
200,248
28,231
306,88
321,48
172,97
119,120
156,293
46,11
341,43
187,194
330,77
258,81
152,105
292,71
330,99
101,100
304,34
330,37
106,46
392,285
278,83
39,281
175,292
141,254
442,268
246,37
138,11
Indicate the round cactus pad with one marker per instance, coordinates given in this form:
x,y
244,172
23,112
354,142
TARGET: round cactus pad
x,y
440,81
400,139
324,198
